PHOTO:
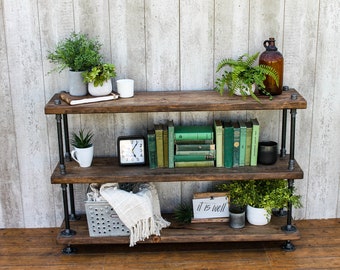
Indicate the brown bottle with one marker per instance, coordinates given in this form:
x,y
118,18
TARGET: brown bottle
x,y
272,57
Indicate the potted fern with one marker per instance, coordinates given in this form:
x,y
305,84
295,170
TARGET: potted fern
x,y
99,79
261,194
83,148
78,53
242,76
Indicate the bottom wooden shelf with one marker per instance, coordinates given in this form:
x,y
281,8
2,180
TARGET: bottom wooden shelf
x,y
188,233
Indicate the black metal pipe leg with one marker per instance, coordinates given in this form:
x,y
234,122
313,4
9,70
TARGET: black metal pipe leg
x,y
67,139
288,246
292,140
60,145
67,232
283,150
73,215
289,227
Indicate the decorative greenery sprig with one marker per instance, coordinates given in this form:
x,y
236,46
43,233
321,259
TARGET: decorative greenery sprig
x,y
243,75
99,74
77,52
183,213
82,140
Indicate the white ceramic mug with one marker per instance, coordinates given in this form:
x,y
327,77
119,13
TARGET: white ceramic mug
x,y
83,156
125,88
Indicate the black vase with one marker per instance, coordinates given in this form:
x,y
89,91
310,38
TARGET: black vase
x,y
267,154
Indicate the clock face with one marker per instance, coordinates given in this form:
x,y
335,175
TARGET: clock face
x,y
131,150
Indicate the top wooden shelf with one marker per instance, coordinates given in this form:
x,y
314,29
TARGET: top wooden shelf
x,y
180,101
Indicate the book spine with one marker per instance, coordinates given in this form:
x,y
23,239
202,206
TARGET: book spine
x,y
152,154
193,133
228,145
248,143
194,142
197,153
195,147
254,142
193,157
205,163
165,146
159,145
236,148
243,136
219,142
171,143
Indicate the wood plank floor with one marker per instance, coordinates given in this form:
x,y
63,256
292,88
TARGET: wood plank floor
x,y
318,248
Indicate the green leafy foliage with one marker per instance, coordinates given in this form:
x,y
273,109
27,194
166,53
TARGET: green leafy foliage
x,y
183,213
242,74
82,139
77,52
267,194
99,74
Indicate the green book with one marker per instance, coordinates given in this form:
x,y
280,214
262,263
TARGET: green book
x,y
159,145
171,143
165,146
194,147
236,148
243,137
193,157
196,152
219,142
254,142
228,144
205,163
152,154
248,143
195,134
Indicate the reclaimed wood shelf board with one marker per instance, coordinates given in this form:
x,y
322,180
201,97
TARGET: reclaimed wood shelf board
x,y
179,101
189,233
105,170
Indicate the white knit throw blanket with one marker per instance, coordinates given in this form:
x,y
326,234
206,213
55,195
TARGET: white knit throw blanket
x,y
140,212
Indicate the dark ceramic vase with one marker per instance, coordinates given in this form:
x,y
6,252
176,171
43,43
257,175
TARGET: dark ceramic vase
x,y
267,154
237,217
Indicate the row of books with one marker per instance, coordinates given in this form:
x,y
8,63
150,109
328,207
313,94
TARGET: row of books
x,y
225,144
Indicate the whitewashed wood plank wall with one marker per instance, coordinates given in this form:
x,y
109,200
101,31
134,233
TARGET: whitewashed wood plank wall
x,y
162,45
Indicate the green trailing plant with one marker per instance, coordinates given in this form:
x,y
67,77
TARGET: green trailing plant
x,y
242,74
99,74
183,213
82,139
77,52
267,194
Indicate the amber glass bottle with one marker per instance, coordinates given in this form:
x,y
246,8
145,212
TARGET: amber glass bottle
x,y
272,57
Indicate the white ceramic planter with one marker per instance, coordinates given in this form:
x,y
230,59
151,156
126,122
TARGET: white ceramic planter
x,y
247,92
125,88
83,156
257,216
77,87
103,90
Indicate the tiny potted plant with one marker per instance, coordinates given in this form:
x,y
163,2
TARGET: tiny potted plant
x,y
78,53
83,148
261,194
242,76
99,79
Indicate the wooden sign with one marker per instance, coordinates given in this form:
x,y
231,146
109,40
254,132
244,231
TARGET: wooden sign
x,y
210,205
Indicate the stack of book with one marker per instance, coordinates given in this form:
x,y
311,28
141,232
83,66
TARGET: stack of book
x,y
194,146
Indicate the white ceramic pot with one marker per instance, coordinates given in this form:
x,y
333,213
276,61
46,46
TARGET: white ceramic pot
x,y
125,88
257,216
247,91
103,90
77,87
83,156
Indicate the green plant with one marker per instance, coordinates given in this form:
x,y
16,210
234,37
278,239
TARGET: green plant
x,y
183,213
243,75
82,140
77,52
99,74
267,194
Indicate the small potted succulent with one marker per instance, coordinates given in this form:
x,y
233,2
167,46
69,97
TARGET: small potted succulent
x,y
83,148
242,76
99,79
78,53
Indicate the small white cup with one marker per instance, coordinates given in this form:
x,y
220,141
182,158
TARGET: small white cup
x,y
125,88
83,156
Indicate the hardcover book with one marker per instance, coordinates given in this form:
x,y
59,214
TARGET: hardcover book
x,y
219,142
236,148
194,134
243,136
254,142
228,144
185,164
159,145
152,154
193,157
165,146
74,100
195,147
171,143
248,143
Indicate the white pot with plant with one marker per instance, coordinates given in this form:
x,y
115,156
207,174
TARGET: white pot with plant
x,y
78,53
99,79
83,148
242,76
